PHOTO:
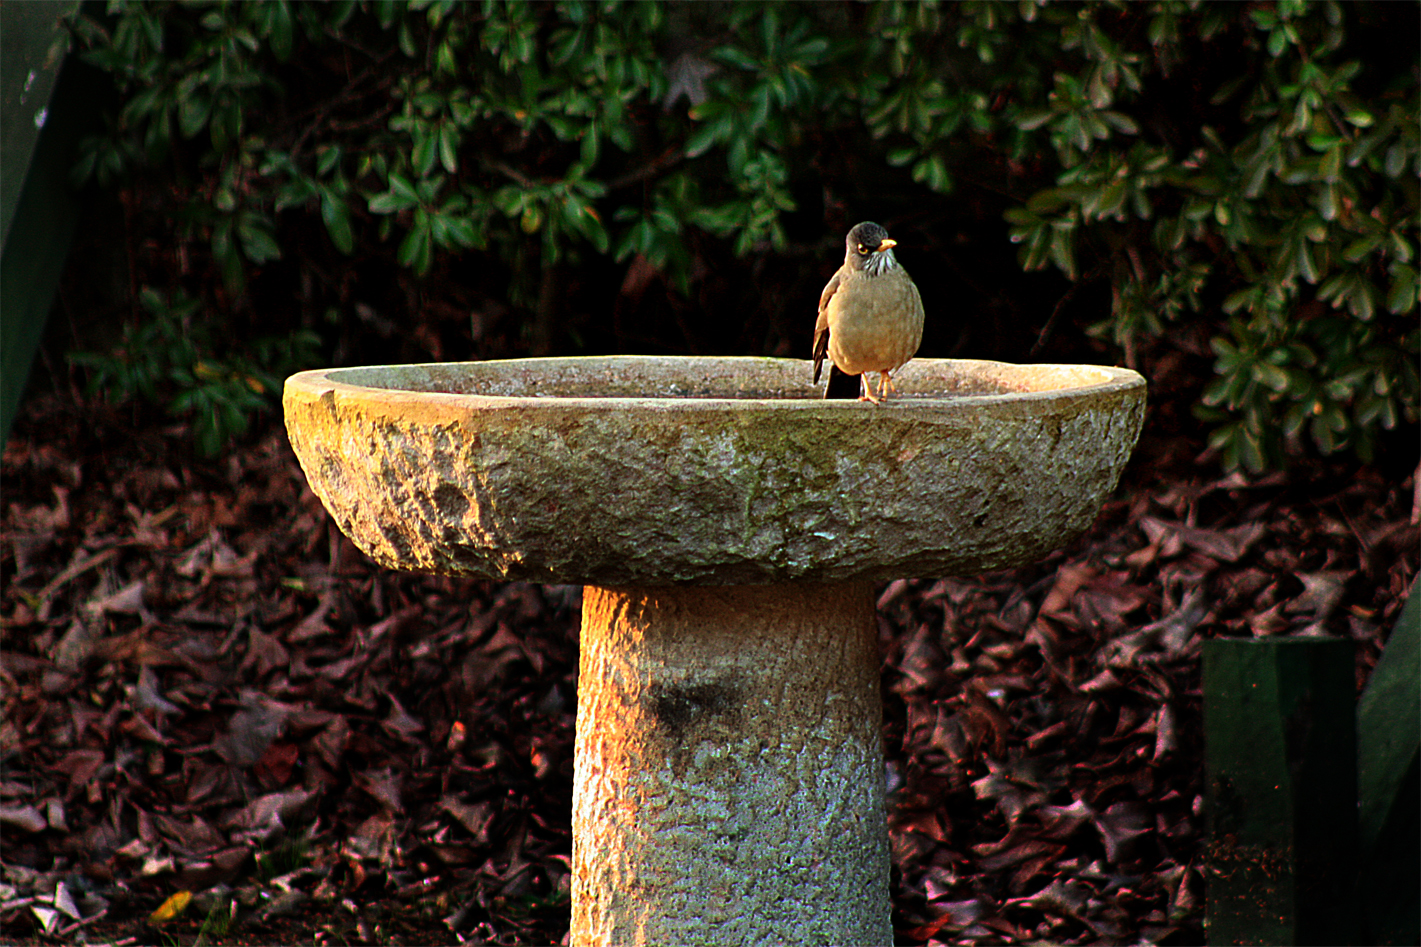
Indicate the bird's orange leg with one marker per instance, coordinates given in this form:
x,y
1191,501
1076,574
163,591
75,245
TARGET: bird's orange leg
x,y
868,394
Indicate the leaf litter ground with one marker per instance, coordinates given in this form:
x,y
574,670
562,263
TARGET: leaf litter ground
x,y
223,725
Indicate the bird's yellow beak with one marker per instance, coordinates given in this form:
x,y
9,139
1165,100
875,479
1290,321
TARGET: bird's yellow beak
x,y
887,244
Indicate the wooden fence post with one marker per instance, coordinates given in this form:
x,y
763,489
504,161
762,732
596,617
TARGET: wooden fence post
x,y
1280,755
1389,785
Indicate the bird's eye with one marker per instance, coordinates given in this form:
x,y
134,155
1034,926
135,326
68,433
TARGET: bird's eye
x,y
863,250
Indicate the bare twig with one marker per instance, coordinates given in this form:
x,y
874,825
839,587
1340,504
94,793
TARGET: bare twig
x,y
668,159
1046,330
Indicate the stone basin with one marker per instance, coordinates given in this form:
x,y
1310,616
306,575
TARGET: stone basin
x,y
727,524
645,470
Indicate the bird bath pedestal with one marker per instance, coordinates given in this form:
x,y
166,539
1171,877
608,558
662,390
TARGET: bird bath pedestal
x,y
728,526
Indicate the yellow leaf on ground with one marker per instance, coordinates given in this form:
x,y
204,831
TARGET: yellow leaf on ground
x,y
171,908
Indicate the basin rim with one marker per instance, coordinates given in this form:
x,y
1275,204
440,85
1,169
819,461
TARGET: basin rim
x,y
353,381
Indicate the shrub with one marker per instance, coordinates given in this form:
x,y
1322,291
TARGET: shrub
x,y
171,353
1248,168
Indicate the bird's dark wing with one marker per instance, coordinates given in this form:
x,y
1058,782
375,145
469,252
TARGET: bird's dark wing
x,y
821,350
821,326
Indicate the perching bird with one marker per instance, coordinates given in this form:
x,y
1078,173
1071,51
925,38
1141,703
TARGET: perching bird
x,y
870,317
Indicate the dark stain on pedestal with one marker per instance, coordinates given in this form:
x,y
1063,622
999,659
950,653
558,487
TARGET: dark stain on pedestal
x,y
689,712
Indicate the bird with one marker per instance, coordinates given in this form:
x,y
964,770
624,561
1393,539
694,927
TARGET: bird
x,y
870,317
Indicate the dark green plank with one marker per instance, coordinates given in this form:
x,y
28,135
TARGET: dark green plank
x,y
1388,787
46,105
1281,791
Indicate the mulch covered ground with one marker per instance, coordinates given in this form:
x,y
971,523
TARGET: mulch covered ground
x,y
221,724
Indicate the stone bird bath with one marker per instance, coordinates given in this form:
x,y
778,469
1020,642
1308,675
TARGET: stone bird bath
x,y
728,525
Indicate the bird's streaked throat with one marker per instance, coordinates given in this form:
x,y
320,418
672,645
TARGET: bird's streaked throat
x,y
880,262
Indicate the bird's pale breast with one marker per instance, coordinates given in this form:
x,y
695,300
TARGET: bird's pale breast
x,y
877,329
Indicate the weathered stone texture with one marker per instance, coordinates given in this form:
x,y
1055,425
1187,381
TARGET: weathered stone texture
x,y
640,470
729,768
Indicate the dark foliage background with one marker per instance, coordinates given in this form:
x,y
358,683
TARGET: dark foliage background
x,y
1232,186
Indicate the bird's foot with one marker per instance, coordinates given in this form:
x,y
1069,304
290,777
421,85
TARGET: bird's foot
x,y
885,385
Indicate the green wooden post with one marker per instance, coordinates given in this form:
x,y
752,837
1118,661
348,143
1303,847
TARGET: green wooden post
x,y
1389,787
45,109
1280,751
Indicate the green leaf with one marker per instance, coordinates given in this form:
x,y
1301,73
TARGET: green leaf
x,y
387,203
703,139
590,145
1030,121
1110,201
1036,246
1359,117
1395,161
448,148
1270,375
1361,247
229,261
425,151
258,243
335,214
193,112
1120,122
1304,260
401,196
1402,298
404,190
280,28
1331,168
1399,246
1362,302
1063,252
932,172
1247,298
1264,18
733,56
415,250
901,156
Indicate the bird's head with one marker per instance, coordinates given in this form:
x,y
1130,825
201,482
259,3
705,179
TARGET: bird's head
x,y
869,248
